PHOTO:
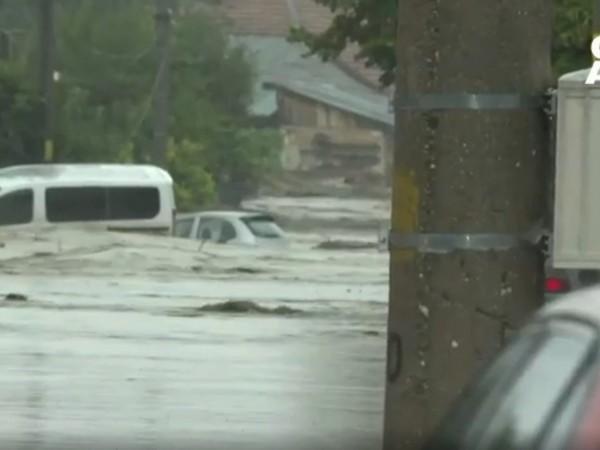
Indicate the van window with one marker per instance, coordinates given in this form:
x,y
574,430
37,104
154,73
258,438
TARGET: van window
x,y
76,204
126,203
16,208
87,204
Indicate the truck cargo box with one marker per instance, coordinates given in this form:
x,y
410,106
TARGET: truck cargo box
x,y
576,242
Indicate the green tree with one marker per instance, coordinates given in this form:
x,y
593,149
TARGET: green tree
x,y
20,118
108,72
106,76
372,24
195,185
107,67
212,92
572,35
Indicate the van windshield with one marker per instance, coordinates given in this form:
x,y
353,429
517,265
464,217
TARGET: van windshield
x,y
263,227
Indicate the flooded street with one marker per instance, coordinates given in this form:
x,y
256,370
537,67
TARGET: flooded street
x,y
152,342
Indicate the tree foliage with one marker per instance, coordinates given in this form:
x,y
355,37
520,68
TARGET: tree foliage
x,y
20,119
372,24
108,70
572,35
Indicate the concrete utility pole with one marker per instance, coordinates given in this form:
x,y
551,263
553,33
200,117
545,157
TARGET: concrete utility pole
x,y
469,171
162,94
47,70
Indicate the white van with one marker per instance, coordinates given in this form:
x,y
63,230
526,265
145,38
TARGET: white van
x,y
122,197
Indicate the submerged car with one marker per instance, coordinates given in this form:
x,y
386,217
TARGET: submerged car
x,y
230,227
541,392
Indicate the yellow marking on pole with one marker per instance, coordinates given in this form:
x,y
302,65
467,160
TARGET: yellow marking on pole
x,y
48,150
405,210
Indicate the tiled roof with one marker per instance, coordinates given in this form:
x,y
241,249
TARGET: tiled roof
x,y
260,17
280,63
276,17
370,106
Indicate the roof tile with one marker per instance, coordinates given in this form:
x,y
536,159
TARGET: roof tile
x,y
276,17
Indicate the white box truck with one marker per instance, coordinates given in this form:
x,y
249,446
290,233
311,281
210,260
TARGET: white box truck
x,y
574,260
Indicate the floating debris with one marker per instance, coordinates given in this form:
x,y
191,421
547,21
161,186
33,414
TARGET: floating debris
x,y
371,333
12,297
236,307
345,245
245,306
249,270
42,254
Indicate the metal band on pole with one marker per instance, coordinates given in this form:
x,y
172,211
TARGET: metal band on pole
x,y
447,101
441,243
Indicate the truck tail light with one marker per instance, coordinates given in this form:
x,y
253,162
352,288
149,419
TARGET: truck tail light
x,y
556,285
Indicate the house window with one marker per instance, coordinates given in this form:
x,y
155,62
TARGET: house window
x,y
16,208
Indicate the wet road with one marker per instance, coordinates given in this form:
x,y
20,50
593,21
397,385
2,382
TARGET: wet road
x,y
114,349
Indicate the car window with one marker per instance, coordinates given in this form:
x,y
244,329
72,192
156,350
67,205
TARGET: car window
x,y
263,227
587,434
183,227
16,208
562,429
210,229
228,232
508,406
531,401
459,427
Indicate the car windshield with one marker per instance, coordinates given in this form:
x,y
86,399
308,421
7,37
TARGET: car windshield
x,y
263,227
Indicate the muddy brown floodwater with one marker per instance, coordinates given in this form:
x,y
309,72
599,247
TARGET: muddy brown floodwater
x,y
115,341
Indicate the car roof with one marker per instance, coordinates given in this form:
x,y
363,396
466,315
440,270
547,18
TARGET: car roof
x,y
583,304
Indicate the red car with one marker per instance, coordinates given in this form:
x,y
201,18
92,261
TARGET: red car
x,y
541,393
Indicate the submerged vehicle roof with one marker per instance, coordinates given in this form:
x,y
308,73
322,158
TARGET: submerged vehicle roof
x,y
229,213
